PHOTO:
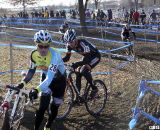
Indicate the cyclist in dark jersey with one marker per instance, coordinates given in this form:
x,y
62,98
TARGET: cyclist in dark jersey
x,y
62,29
91,57
125,35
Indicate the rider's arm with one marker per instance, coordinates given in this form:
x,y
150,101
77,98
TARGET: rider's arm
x,y
67,57
56,64
80,63
68,54
29,75
30,72
86,53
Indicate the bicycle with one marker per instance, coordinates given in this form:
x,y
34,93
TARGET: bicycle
x,y
127,40
12,111
93,105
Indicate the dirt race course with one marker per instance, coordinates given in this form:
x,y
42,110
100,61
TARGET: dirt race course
x,y
117,113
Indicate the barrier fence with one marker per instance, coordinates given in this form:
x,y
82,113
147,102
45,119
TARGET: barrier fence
x,y
137,111
142,30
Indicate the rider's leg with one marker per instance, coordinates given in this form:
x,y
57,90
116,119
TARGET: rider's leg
x,y
130,49
58,88
87,74
44,103
85,71
78,81
126,38
53,111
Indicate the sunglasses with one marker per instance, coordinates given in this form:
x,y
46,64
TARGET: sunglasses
x,y
41,47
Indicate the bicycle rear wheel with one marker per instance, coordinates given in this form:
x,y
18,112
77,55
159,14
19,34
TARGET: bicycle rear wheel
x,y
66,107
96,105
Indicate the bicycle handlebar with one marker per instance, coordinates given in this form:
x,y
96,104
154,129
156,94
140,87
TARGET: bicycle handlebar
x,y
18,90
13,88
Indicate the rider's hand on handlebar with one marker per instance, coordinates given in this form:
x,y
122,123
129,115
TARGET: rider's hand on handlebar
x,y
74,66
20,85
33,94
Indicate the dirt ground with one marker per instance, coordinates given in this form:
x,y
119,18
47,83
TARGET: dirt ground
x,y
122,97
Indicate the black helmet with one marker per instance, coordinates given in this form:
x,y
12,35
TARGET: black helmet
x,y
63,27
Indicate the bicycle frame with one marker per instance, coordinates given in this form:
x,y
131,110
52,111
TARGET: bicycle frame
x,y
70,71
21,95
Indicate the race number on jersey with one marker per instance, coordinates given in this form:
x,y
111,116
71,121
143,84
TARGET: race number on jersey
x,y
53,68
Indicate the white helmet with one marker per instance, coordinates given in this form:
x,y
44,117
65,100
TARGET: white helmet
x,y
69,35
42,37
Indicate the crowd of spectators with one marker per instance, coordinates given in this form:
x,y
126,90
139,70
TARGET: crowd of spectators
x,y
141,17
131,16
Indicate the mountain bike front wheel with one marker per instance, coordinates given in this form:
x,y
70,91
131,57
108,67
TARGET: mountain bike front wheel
x,y
4,119
67,104
96,104
15,122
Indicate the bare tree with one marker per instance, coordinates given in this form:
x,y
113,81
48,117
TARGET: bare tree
x,y
136,4
97,3
24,3
82,8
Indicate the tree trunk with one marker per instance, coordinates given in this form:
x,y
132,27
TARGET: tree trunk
x,y
82,17
85,7
24,7
96,4
136,5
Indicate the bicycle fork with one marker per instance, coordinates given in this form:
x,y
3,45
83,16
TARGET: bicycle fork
x,y
6,103
16,113
15,106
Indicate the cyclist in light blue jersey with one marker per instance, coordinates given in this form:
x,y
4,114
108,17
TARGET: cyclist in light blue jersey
x,y
53,80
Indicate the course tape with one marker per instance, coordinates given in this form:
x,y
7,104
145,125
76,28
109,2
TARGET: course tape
x,y
153,81
75,21
16,71
139,39
147,31
144,31
99,39
64,50
142,27
30,47
39,71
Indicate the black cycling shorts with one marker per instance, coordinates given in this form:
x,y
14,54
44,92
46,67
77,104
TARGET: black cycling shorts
x,y
57,86
92,60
